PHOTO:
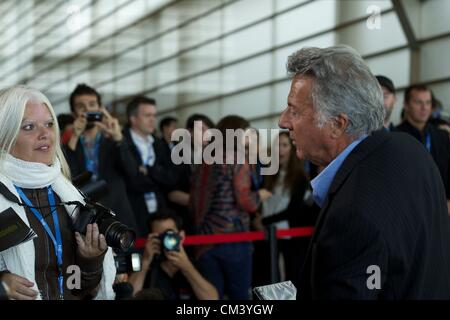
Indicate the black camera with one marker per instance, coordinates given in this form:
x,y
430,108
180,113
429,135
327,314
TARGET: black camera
x,y
94,116
117,235
127,263
170,240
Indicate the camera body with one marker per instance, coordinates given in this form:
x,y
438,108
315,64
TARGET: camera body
x,y
117,235
94,116
170,240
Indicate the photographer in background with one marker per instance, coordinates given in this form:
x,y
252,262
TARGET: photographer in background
x,y
166,266
96,146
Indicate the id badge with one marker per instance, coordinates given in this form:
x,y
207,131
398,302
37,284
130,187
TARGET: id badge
x,y
151,202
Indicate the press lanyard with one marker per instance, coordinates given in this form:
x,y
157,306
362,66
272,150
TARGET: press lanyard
x,y
428,142
91,155
57,243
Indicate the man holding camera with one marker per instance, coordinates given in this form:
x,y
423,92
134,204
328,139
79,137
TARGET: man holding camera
x,y
96,147
165,265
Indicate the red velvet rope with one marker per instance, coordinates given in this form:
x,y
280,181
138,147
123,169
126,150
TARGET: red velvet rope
x,y
237,237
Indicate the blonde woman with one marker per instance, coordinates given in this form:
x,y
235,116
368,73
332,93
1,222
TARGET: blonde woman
x,y
33,172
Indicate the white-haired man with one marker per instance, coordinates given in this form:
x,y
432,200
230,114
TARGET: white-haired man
x,y
383,229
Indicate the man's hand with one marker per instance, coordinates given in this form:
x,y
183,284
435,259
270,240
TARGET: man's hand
x,y
93,244
143,170
152,248
264,194
257,222
110,125
19,288
79,125
179,259
179,197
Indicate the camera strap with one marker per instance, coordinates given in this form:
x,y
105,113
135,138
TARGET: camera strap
x,y
56,239
8,194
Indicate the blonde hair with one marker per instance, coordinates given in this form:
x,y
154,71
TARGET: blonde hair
x,y
13,101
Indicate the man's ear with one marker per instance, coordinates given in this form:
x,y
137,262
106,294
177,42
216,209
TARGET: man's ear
x,y
132,120
339,125
182,235
405,105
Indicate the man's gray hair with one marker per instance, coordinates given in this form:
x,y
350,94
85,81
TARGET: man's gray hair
x,y
343,84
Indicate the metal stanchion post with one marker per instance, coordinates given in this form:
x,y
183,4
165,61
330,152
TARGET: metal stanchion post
x,y
273,248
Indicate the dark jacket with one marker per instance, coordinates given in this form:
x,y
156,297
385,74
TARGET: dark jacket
x,y
159,179
46,267
386,207
440,148
111,169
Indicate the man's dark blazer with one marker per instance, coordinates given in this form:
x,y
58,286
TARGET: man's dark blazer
x,y
111,169
159,179
440,148
386,207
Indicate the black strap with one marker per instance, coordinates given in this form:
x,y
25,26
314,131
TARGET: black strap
x,y
9,195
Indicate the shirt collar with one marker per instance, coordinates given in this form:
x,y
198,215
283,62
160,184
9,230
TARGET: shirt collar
x,y
321,184
138,138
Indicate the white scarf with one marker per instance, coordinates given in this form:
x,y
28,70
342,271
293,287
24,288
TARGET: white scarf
x,y
30,175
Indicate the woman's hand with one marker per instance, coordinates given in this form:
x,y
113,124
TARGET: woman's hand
x,y
93,244
19,288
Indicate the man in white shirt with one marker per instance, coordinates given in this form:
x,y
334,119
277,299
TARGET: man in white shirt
x,y
148,176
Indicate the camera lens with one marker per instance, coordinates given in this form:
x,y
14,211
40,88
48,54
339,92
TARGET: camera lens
x,y
127,240
171,241
117,235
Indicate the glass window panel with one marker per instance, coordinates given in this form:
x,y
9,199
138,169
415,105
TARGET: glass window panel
x,y
205,57
285,4
247,73
348,10
248,104
367,41
237,14
247,42
434,17
395,66
130,85
432,66
304,21
201,30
